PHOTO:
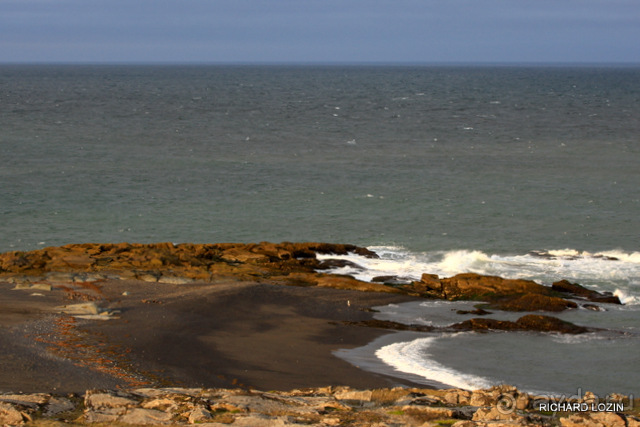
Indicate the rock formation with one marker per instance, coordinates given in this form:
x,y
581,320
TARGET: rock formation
x,y
294,264
284,263
328,406
505,294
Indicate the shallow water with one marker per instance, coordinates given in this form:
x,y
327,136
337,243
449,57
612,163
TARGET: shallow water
x,y
601,362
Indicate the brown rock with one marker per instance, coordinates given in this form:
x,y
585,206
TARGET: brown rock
x,y
479,324
534,302
9,415
431,281
572,288
567,287
347,282
100,400
139,416
477,312
195,261
345,393
388,324
340,263
536,322
495,414
593,419
530,322
199,415
476,287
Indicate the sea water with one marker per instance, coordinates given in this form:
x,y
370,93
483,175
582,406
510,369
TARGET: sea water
x,y
529,172
603,361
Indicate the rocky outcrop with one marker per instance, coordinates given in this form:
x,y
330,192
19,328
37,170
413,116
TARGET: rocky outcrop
x,y
282,263
505,294
286,263
472,286
576,290
327,406
533,302
531,322
389,324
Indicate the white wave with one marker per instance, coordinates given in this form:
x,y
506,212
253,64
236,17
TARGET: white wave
x,y
605,271
455,262
613,255
633,257
576,339
625,298
411,357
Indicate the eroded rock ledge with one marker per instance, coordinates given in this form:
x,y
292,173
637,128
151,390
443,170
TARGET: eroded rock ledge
x,y
328,406
286,263
282,263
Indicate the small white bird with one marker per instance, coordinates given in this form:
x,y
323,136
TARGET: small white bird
x,y
348,303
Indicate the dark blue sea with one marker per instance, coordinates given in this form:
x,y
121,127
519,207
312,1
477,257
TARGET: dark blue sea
x,y
516,171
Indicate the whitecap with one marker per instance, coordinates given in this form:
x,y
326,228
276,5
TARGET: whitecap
x,y
576,339
412,357
455,262
603,271
625,298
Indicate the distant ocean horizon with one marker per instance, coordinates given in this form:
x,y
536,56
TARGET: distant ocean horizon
x,y
528,171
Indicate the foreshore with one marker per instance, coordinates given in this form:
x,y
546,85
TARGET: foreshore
x,y
221,334
231,316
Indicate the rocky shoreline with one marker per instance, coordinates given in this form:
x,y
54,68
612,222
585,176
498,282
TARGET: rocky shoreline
x,y
95,277
293,264
326,406
285,263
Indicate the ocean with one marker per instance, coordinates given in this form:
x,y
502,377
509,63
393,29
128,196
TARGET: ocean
x,y
519,171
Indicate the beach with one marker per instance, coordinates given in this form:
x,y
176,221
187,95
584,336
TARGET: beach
x,y
269,316
255,334
523,173
227,334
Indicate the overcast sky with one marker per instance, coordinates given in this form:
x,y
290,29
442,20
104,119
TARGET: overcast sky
x,y
413,31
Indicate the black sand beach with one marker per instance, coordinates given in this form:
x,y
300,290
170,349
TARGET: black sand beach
x,y
223,334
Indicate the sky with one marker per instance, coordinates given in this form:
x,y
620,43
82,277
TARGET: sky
x,y
320,31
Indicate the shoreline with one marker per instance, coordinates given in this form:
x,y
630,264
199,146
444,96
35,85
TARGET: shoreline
x,y
242,317
364,357
226,334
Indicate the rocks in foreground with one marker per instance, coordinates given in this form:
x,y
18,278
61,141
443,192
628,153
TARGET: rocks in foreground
x,y
328,406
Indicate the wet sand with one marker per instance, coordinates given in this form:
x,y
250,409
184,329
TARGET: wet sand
x,y
225,334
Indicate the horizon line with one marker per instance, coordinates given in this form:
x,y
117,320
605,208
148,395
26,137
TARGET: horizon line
x,y
332,63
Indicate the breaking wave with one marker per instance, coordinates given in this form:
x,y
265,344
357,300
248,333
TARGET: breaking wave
x,y
612,271
412,357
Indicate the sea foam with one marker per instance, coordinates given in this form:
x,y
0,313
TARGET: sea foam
x,y
612,271
412,357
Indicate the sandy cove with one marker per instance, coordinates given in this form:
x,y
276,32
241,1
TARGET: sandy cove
x,y
85,317
220,334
